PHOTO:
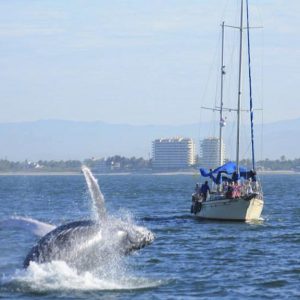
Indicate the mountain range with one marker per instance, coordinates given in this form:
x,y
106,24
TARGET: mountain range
x,y
64,140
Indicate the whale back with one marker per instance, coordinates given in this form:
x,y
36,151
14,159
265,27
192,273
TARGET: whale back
x,y
59,243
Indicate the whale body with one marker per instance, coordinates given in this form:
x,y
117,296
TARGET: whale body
x,y
80,240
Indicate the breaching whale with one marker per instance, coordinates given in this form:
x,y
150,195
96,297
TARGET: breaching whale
x,y
79,242
82,239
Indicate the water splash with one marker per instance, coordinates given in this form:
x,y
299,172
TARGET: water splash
x,y
58,275
95,192
33,226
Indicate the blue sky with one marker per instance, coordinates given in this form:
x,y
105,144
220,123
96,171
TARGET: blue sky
x,y
140,62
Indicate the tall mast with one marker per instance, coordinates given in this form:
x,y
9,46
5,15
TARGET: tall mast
x,y
239,94
221,98
250,87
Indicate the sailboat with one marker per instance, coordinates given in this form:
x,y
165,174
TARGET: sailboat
x,y
238,195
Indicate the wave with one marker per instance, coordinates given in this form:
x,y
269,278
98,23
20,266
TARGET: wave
x,y
167,218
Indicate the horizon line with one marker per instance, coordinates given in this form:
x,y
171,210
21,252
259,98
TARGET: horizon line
x,y
128,124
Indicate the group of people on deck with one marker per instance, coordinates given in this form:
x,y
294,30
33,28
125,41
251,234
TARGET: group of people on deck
x,y
233,190
230,189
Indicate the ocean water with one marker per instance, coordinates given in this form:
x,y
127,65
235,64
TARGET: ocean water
x,y
189,259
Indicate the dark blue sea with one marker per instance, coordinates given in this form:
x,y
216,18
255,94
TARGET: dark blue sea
x,y
189,259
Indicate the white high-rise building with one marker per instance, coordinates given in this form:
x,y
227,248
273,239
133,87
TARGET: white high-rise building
x,y
173,153
210,153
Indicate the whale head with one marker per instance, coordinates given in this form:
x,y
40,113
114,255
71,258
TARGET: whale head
x,y
134,238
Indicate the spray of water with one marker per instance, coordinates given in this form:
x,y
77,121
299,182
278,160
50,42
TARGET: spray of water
x,y
58,276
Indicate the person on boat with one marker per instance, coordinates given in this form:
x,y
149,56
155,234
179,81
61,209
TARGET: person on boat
x,y
235,176
205,190
197,189
252,175
254,185
236,190
197,194
225,187
229,193
248,187
196,199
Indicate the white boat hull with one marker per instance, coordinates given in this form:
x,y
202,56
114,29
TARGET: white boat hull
x,y
237,209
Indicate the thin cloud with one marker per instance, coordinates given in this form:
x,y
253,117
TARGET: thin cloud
x,y
16,31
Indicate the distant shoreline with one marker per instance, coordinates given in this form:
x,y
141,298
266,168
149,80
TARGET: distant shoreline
x,y
166,173
40,173
274,172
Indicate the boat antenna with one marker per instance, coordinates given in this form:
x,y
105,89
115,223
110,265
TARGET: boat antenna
x,y
239,95
250,88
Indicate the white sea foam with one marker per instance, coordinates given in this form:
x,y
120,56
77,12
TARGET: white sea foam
x,y
57,275
259,221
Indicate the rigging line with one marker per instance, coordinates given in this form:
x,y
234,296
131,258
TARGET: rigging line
x,y
246,150
225,9
230,73
250,86
262,136
215,118
212,125
262,97
230,145
208,79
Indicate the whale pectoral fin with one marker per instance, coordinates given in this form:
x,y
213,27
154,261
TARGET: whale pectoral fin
x,y
95,192
27,224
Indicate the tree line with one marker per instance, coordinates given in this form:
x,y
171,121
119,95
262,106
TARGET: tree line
x,y
113,163
120,163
